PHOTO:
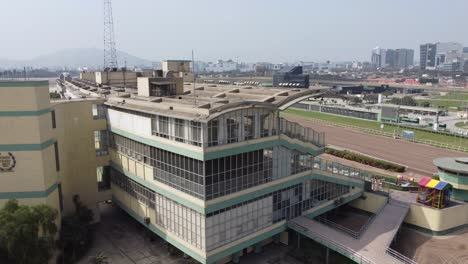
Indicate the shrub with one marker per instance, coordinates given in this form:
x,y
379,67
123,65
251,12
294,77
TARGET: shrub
x,y
365,160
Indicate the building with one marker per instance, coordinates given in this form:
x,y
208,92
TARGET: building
x,y
427,56
221,66
455,172
404,58
291,76
441,55
392,58
178,68
52,151
378,58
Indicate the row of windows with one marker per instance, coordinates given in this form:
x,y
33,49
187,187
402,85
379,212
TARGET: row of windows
x,y
234,222
218,177
241,125
182,221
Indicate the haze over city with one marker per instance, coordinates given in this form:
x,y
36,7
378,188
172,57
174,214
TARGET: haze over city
x,y
274,31
233,132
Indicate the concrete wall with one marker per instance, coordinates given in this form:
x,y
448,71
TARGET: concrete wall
x,y
372,203
439,221
88,76
78,161
176,66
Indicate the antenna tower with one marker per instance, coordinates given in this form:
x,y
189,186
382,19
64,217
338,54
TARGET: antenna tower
x,y
110,54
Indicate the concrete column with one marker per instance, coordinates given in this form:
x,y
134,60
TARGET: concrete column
x,y
236,257
258,248
257,125
222,130
327,255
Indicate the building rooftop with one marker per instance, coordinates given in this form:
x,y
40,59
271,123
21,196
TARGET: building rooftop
x,y
203,102
453,164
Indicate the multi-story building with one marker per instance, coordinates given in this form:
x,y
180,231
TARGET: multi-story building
x,y
427,56
392,58
52,151
217,170
440,55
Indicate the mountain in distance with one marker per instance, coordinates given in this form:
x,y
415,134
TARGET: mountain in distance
x,y
75,58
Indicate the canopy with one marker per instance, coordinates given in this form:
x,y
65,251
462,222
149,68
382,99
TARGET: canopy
x,y
433,184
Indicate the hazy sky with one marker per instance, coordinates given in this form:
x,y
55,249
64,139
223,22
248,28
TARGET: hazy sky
x,y
246,30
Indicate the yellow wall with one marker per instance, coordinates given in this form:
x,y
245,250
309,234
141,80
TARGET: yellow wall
x,y
437,219
26,98
373,202
78,161
29,173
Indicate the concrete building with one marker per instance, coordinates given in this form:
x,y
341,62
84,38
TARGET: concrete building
x,y
291,76
179,68
52,151
378,58
455,172
221,66
427,56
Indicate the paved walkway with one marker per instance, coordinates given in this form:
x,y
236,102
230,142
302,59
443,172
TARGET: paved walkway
x,y
373,243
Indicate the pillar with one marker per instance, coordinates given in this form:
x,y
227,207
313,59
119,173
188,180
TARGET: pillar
x,y
236,257
258,248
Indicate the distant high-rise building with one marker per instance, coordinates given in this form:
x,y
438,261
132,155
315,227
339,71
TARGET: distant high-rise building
x,y
435,55
392,58
427,55
404,58
378,58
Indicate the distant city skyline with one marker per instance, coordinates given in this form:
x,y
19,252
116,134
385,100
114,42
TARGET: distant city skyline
x,y
250,31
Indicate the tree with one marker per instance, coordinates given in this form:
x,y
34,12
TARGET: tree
x,y
76,233
27,232
408,100
371,98
425,104
355,100
387,94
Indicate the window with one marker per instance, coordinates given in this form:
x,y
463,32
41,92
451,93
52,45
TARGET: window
x,y
232,130
99,111
213,133
60,196
54,125
163,123
103,178
101,143
57,161
179,130
249,127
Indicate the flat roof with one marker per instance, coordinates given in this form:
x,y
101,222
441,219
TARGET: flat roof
x,y
454,164
204,102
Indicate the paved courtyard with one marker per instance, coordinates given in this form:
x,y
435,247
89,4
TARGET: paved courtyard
x,y
125,241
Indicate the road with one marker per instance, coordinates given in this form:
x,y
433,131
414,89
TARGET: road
x,y
417,157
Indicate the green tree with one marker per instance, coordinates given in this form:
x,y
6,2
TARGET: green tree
x,y
408,100
27,233
355,100
387,94
425,104
76,233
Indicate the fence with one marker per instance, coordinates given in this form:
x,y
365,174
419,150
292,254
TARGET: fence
x,y
305,134
338,168
342,249
387,134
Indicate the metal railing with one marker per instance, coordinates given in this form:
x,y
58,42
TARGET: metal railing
x,y
305,134
400,256
340,169
383,133
352,233
342,249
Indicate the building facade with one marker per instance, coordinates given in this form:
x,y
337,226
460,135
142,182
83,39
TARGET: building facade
x,y
51,152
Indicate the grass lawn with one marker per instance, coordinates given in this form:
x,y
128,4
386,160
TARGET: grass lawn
x,y
454,96
442,103
423,135
462,125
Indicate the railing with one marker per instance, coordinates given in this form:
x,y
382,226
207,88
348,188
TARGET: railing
x,y
352,254
352,233
338,168
387,134
399,256
305,134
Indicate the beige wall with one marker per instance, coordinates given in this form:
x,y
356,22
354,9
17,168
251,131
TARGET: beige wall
x,y
437,219
26,98
78,161
176,66
373,202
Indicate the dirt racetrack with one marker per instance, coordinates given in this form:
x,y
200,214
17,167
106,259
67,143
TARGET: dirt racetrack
x,y
417,157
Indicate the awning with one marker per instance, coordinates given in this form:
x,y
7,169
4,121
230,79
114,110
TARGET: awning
x,y
424,181
442,185
432,184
